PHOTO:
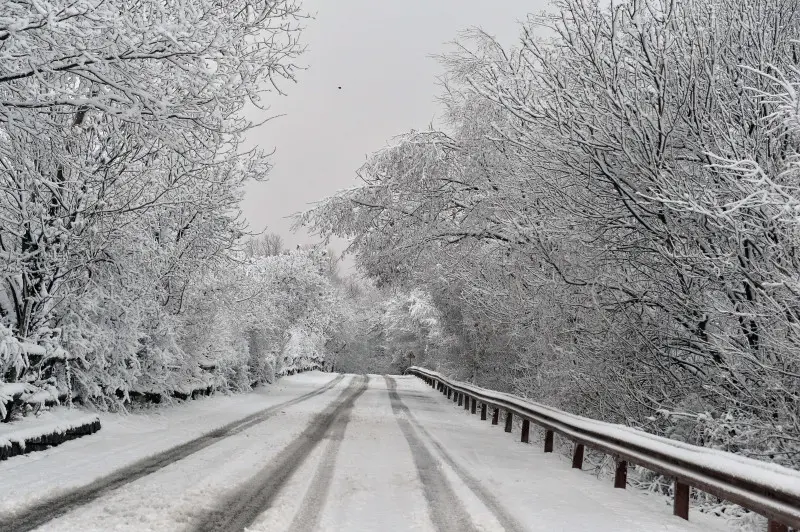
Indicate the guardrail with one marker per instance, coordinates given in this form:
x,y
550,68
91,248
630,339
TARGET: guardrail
x,y
767,489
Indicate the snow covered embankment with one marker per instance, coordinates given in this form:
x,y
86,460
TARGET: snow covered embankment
x,y
49,429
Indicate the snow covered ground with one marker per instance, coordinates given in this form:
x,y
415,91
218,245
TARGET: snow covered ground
x,y
377,453
124,439
413,461
57,420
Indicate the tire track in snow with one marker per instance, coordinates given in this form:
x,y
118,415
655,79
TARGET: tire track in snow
x,y
54,507
245,504
445,509
314,501
486,497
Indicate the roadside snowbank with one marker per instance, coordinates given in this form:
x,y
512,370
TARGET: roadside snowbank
x,y
34,433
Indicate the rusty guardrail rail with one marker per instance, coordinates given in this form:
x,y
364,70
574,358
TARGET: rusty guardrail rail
x,y
767,489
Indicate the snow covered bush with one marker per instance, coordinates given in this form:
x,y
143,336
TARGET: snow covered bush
x,y
304,349
411,329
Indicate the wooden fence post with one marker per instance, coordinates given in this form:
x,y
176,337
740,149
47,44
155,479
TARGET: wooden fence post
x,y
548,441
449,392
483,412
681,505
577,456
526,430
474,405
509,420
621,475
460,399
466,402
496,416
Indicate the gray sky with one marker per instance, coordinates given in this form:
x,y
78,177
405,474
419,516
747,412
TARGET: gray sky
x,y
378,51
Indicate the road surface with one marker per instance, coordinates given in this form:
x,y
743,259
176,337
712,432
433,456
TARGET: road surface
x,y
341,453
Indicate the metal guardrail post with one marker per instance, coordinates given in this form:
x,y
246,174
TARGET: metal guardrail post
x,y
548,441
621,475
577,456
681,503
775,526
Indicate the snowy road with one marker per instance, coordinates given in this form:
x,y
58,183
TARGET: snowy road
x,y
346,454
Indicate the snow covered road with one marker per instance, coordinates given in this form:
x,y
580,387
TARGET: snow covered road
x,y
341,454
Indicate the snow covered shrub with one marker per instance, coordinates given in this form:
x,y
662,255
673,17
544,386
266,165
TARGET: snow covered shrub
x,y
262,356
412,329
12,353
29,373
357,343
303,350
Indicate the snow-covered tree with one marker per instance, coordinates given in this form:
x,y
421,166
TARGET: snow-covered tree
x,y
121,173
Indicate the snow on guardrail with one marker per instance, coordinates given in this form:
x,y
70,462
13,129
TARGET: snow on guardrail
x,y
769,489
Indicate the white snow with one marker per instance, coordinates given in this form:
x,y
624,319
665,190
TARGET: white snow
x,y
11,389
55,420
172,497
372,481
375,484
541,490
124,439
774,476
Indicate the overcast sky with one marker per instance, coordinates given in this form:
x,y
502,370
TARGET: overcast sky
x,y
379,52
